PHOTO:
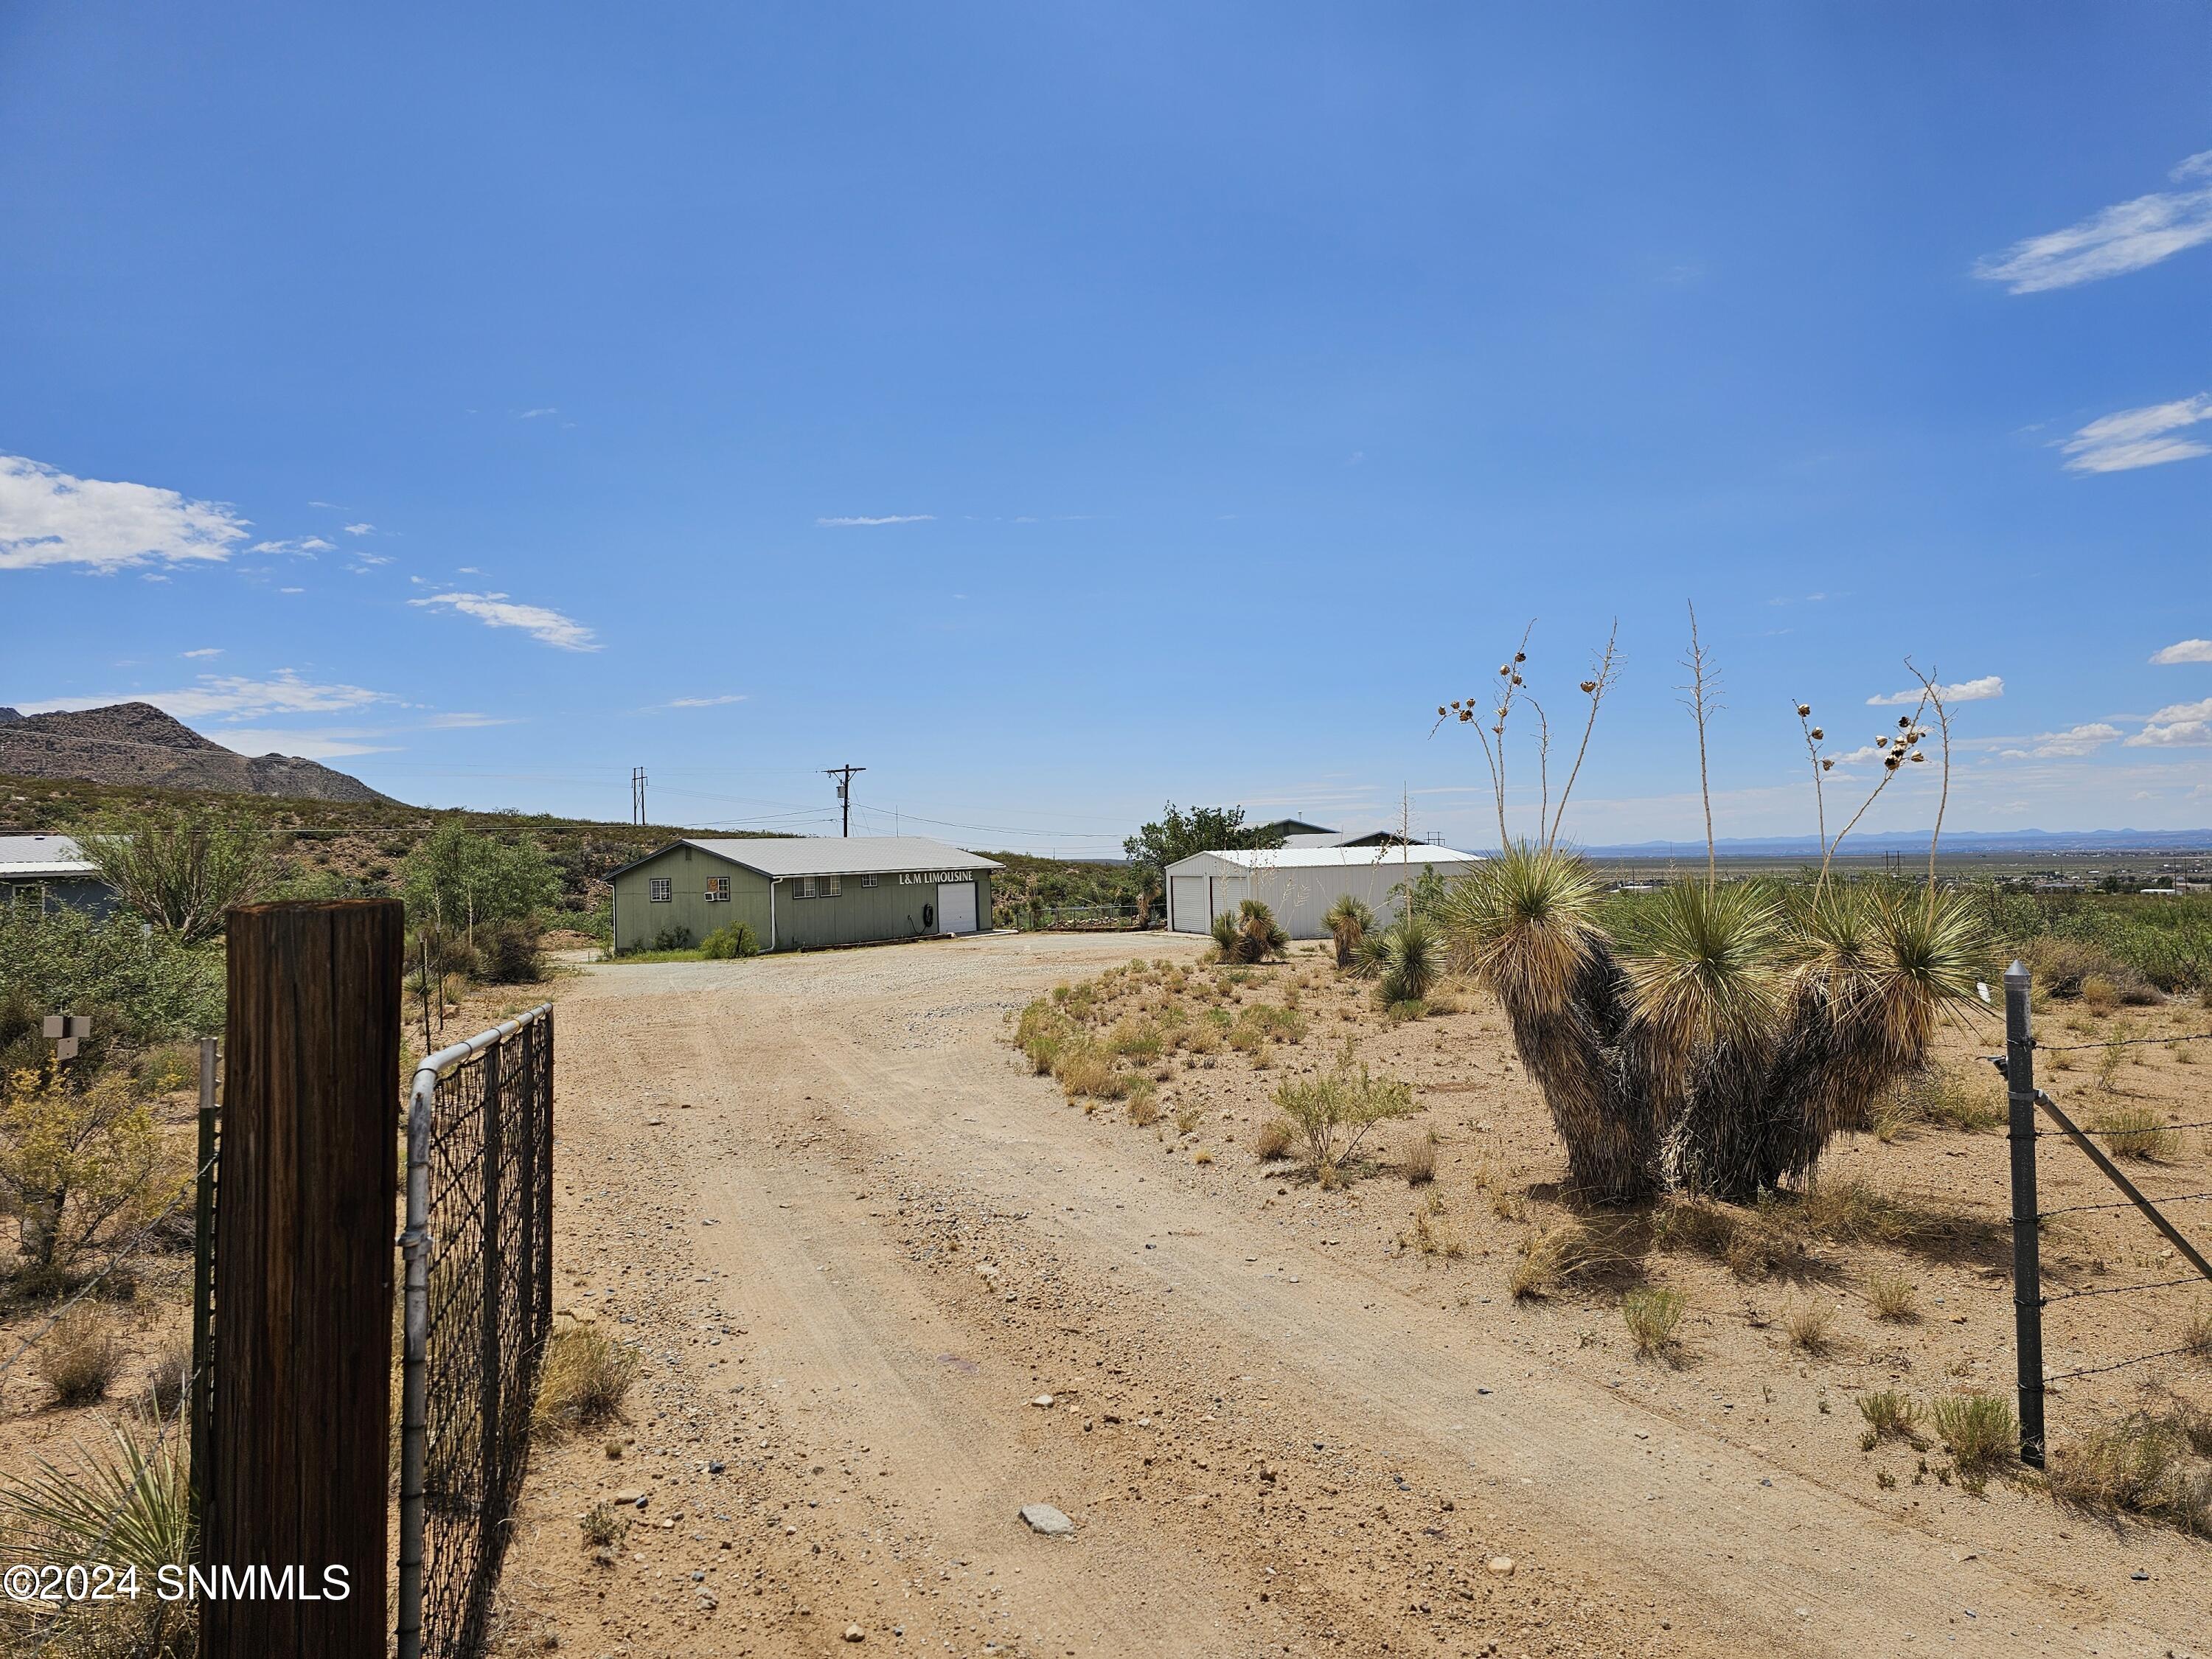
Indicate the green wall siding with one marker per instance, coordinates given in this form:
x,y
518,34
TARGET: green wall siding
x,y
688,870
891,909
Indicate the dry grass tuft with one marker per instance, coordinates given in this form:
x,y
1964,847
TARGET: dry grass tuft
x,y
1143,1107
2197,1334
1811,1324
1891,1415
584,1377
1274,1140
79,1361
1654,1318
1416,1157
2139,1465
2135,1131
1893,1297
603,1527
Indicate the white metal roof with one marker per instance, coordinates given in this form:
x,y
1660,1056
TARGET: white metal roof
x,y
1335,857
50,856
842,855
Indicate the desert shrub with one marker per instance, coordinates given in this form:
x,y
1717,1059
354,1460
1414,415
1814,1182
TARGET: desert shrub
x,y
74,1161
1276,1021
1653,1318
2135,1131
1251,935
1891,1415
167,1069
2099,995
181,868
1135,1039
461,879
1084,1068
1333,1111
1549,1258
1274,1139
166,1375
78,1359
146,987
1200,1038
676,938
730,942
511,952
2197,1334
603,1528
1979,1429
1431,1235
1143,1105
583,1379
1416,1157
1892,1296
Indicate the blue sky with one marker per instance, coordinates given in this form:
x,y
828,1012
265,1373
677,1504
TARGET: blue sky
x,y
1060,410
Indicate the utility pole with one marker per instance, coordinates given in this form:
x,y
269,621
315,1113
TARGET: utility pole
x,y
637,795
844,776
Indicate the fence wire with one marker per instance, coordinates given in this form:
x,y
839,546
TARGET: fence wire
x,y
480,1218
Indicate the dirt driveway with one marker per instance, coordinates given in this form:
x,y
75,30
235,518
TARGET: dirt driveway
x,y
860,1247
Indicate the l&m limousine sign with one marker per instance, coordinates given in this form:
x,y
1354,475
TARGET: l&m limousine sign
x,y
933,877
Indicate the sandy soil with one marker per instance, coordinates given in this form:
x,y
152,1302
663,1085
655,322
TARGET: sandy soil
x,y
858,1245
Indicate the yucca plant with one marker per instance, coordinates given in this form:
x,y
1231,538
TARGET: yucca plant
x,y
1524,925
1349,922
1252,935
1412,959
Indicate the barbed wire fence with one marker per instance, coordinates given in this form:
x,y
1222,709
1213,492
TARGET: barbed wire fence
x,y
2034,1382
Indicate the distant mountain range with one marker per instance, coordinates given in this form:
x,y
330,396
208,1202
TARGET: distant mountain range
x,y
2015,842
136,744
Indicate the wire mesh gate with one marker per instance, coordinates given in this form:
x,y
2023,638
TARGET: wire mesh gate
x,y
479,1248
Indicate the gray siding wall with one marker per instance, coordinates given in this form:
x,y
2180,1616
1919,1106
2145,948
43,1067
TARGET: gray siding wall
x,y
86,893
638,921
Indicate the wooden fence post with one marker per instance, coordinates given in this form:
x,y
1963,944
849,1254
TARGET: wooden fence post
x,y
304,1279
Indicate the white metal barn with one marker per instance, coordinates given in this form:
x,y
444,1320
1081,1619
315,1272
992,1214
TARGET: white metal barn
x,y
1299,884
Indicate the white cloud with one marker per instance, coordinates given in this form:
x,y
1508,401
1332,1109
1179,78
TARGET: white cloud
x,y
359,529
2111,243
49,518
365,561
205,651
2138,437
2179,724
1980,690
2078,740
230,697
705,702
536,414
893,518
466,722
2184,651
496,611
305,547
306,745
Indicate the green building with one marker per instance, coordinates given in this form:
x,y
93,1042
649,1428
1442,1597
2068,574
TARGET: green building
x,y
802,892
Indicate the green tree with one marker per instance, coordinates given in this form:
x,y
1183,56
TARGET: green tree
x,y
1178,833
457,878
181,867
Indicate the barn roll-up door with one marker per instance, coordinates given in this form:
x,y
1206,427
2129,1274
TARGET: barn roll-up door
x,y
1186,905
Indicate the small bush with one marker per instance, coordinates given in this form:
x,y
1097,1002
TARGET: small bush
x,y
2099,995
1891,1415
1274,1140
583,1379
1433,1238
1085,1069
511,953
2138,1464
1653,1317
1893,1297
169,1069
1938,1095
165,1377
2135,1131
1143,1107
1404,1012
78,1360
730,943
1334,1110
1979,1429
2197,1334
1549,1259
1416,1157
1135,1039
673,938
603,1527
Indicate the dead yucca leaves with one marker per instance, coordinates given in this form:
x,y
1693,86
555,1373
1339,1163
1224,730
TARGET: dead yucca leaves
x,y
583,1379
1554,1256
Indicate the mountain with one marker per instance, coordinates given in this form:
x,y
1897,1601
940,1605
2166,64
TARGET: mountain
x,y
136,744
1916,841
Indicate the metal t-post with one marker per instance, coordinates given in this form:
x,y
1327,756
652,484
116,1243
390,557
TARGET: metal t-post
x,y
2027,1261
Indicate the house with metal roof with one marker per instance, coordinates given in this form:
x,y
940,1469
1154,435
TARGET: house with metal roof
x,y
1299,884
801,892
51,872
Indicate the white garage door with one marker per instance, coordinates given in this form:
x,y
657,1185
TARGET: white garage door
x,y
955,907
1188,906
